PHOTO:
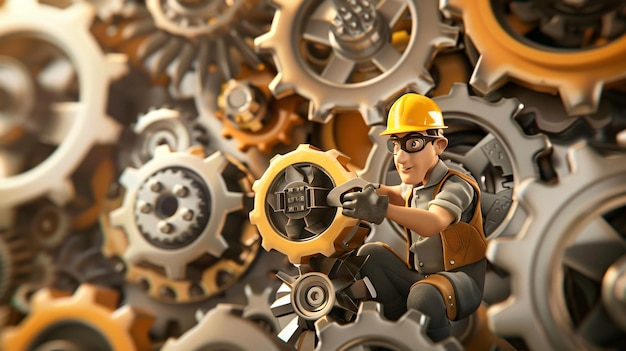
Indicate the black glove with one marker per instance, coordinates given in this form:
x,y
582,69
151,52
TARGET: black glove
x,y
366,205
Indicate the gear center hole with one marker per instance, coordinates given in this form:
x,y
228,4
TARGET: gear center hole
x,y
167,205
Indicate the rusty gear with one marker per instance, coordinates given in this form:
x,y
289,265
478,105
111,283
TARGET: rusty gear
x,y
252,116
290,207
88,319
577,75
337,68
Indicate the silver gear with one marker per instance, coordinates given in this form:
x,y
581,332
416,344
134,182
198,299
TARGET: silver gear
x,y
169,126
384,70
78,125
173,215
224,327
565,261
210,240
503,149
371,329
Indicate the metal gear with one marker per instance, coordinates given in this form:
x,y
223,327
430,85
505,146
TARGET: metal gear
x,y
566,264
41,275
290,207
18,98
324,288
577,75
571,24
163,126
222,328
77,125
183,38
371,329
87,320
252,116
170,209
339,59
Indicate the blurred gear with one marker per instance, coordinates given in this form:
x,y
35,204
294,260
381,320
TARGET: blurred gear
x,y
41,275
183,37
88,320
344,55
567,262
571,24
73,127
252,116
163,126
183,213
324,288
16,100
290,207
50,224
371,330
225,327
577,75
15,263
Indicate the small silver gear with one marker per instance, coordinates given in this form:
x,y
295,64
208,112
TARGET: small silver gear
x,y
567,262
222,201
353,69
371,329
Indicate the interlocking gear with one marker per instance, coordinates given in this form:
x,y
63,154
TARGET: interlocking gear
x,y
88,320
339,60
290,207
371,329
224,327
252,116
567,262
78,125
577,75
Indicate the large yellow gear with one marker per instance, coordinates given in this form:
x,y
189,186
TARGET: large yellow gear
x,y
87,320
327,231
413,112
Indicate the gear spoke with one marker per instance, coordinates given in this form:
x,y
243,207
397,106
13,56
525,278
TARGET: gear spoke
x,y
338,70
597,236
387,58
317,31
392,10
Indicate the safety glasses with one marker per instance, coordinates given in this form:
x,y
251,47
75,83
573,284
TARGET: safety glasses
x,y
410,143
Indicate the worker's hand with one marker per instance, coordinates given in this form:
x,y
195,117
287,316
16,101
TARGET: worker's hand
x,y
366,205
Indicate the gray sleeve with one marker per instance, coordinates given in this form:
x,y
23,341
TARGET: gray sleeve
x,y
455,196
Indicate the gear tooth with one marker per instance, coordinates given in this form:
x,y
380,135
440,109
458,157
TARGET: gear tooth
x,y
117,65
81,14
281,89
485,78
109,129
500,250
581,100
162,151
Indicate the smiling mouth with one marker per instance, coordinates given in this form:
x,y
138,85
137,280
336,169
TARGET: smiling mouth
x,y
406,169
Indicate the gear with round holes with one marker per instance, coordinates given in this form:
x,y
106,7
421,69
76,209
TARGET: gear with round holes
x,y
163,126
571,24
290,207
88,320
222,328
579,76
182,38
75,126
567,262
343,55
252,116
170,211
371,329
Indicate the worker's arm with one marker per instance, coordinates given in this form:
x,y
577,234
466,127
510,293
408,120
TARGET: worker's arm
x,y
425,222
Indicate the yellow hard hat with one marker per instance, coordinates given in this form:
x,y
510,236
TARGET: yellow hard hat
x,y
413,113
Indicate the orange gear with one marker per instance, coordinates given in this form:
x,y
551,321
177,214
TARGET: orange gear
x,y
254,117
90,308
578,76
340,234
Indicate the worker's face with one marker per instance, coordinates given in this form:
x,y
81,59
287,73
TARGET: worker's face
x,y
415,167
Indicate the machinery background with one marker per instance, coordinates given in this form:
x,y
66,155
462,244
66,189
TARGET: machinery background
x,y
140,139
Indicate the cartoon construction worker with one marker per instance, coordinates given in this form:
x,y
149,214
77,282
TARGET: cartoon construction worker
x,y
442,273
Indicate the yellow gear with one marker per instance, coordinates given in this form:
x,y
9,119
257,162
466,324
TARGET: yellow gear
x,y
413,113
